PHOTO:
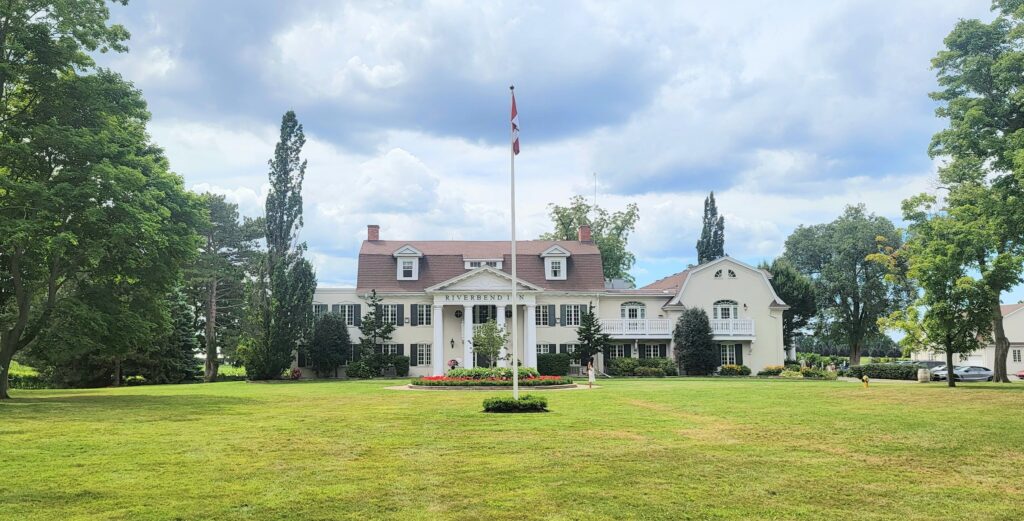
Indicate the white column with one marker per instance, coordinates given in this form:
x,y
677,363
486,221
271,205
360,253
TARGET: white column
x,y
531,336
501,323
467,336
437,350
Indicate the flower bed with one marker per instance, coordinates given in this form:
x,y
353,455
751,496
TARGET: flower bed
x,y
447,381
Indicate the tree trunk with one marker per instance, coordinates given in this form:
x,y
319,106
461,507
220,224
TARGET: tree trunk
x,y
117,372
950,378
5,369
1002,345
854,353
211,367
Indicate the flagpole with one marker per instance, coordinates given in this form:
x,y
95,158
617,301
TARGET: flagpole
x,y
515,299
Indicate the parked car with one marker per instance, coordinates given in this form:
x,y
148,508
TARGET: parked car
x,y
965,373
1020,374
931,365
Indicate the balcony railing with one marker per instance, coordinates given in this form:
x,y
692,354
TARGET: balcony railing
x,y
636,327
732,327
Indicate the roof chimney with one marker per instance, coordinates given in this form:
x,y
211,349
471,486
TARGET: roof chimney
x,y
584,234
372,232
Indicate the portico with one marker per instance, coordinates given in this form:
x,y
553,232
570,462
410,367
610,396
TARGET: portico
x,y
472,299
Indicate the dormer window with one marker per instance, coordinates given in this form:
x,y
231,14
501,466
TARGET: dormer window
x,y
556,262
472,264
407,263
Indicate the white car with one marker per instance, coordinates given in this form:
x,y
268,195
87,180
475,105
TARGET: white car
x,y
964,373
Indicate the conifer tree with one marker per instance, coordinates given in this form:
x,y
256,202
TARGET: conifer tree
x,y
711,245
374,331
592,340
330,345
695,347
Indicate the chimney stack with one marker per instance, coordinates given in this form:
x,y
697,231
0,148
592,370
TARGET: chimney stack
x,y
373,232
584,233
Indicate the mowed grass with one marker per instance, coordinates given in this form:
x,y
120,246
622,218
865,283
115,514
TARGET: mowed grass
x,y
633,449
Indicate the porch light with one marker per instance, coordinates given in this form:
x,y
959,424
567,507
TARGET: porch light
x,y
452,343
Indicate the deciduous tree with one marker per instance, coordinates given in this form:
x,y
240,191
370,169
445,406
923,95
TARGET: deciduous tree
x,y
796,290
489,340
609,231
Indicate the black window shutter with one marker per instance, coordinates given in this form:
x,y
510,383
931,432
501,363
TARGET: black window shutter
x,y
378,349
551,315
561,348
380,311
739,354
643,351
400,314
358,315
414,317
664,350
561,320
413,352
401,350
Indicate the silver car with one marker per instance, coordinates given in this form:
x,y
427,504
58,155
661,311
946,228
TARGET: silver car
x,y
965,373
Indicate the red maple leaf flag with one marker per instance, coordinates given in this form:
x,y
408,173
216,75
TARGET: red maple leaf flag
x,y
515,126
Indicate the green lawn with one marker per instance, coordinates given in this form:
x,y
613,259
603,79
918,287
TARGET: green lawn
x,y
669,449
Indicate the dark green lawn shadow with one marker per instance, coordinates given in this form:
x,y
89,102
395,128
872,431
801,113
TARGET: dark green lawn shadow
x,y
119,407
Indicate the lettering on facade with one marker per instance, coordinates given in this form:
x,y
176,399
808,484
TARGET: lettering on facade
x,y
482,297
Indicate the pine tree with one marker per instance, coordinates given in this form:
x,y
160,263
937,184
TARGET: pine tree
x,y
592,340
711,245
695,347
374,331
330,345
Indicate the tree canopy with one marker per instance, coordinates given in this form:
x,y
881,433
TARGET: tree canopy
x,y
695,352
796,290
711,244
592,340
330,345
851,292
609,231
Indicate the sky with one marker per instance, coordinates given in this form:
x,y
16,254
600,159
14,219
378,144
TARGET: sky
x,y
787,113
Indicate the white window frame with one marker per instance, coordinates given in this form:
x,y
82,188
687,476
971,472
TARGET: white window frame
x,y
541,316
570,319
424,314
722,306
549,268
320,310
620,351
479,263
728,353
423,354
389,349
478,313
347,312
652,350
629,307
414,271
547,349
389,314
1017,355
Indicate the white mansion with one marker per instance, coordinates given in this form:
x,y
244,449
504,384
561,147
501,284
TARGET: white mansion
x,y
436,292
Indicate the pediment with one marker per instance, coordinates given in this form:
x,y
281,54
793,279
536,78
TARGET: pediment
x,y
407,251
483,279
555,251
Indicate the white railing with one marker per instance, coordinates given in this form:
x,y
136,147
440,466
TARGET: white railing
x,y
636,327
733,327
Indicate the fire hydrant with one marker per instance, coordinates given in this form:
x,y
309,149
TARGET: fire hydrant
x,y
865,379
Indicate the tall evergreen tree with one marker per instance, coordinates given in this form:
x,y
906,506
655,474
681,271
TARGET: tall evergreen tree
x,y
330,345
217,277
711,244
592,340
696,352
373,330
282,295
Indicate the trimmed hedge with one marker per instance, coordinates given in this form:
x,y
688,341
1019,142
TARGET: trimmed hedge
x,y
642,367
553,364
525,403
733,370
656,372
771,370
493,372
883,371
436,381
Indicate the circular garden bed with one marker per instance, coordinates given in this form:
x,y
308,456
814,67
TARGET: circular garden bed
x,y
489,383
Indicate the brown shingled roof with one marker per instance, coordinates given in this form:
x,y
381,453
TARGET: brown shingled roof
x,y
1010,308
443,260
674,281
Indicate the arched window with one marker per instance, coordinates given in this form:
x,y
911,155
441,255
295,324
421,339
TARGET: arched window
x,y
726,310
633,310
718,274
732,274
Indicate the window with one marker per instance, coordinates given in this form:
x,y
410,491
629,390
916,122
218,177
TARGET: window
x,y
408,265
573,351
732,274
633,310
652,350
389,313
478,263
729,353
572,314
319,310
347,312
718,274
554,268
391,349
620,351
481,314
422,354
546,349
542,315
726,310
1016,355
423,315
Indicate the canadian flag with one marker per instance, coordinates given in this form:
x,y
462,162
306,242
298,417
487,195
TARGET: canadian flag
x,y
515,126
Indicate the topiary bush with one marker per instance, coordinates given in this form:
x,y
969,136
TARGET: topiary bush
x,y
553,364
883,371
771,370
734,370
479,373
525,403
401,364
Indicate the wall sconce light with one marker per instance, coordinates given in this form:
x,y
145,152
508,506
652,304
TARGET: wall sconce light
x,y
453,343
744,306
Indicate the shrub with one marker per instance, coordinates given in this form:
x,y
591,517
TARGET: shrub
x,y
401,364
665,364
553,364
650,371
623,366
817,374
25,377
448,381
360,369
493,372
734,370
696,350
791,374
771,370
135,380
884,371
792,366
525,403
